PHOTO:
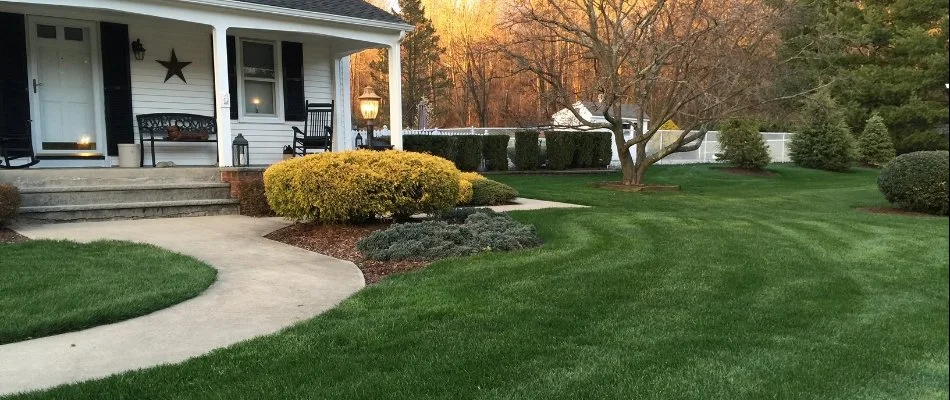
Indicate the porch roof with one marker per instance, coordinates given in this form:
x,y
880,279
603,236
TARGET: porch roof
x,y
346,8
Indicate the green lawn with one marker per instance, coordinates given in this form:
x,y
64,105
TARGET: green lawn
x,y
735,288
49,287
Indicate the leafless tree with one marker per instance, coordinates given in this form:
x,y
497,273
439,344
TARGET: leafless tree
x,y
693,61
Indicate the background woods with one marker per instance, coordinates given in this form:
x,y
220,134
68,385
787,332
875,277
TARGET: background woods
x,y
876,56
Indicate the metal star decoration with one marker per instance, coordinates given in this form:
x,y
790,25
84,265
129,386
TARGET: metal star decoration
x,y
175,67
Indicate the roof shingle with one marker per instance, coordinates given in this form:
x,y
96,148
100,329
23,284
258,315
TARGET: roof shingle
x,y
345,8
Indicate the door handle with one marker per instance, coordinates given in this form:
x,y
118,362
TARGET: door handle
x,y
36,85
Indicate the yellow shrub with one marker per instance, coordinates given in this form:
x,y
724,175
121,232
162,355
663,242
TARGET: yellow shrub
x,y
465,186
353,186
472,176
465,191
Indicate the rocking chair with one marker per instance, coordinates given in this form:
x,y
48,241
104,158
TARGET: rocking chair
x,y
317,133
13,147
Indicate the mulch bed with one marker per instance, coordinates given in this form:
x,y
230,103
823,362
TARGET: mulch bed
x,y
339,241
747,172
620,187
9,236
896,211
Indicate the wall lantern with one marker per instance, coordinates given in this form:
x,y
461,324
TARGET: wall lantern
x,y
240,151
369,107
138,50
359,140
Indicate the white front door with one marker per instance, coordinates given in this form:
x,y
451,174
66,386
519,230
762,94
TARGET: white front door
x,y
65,88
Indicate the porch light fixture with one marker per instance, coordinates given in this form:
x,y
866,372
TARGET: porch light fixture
x,y
369,107
138,50
240,151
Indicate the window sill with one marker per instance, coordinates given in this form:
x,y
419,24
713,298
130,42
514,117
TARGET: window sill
x,y
260,120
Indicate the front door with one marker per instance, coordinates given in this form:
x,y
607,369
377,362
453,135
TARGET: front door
x,y
65,89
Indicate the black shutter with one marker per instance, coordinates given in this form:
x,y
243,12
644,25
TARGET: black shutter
x,y
14,78
117,82
232,76
294,102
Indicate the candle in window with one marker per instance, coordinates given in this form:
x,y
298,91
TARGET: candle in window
x,y
257,102
84,142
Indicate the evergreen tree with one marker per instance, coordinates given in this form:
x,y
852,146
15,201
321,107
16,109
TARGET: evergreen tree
x,y
824,140
885,56
423,74
874,146
742,145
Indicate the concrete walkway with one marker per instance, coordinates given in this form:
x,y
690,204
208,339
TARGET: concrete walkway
x,y
262,286
523,204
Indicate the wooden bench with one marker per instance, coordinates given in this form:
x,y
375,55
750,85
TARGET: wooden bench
x,y
176,128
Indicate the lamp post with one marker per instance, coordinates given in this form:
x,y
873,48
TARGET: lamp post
x,y
369,108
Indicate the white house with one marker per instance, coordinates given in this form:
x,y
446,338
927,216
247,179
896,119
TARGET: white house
x,y
72,82
594,112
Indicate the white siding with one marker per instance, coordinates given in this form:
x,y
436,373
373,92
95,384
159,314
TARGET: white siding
x,y
267,140
150,94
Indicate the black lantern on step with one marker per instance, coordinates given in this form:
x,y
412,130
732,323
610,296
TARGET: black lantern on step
x,y
359,140
138,50
240,151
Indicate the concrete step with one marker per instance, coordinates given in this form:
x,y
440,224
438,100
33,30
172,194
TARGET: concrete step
x,y
66,177
150,209
112,194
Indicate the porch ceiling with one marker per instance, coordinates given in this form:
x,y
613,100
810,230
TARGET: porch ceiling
x,y
351,33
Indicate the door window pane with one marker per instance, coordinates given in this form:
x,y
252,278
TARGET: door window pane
x,y
259,97
259,60
73,34
46,31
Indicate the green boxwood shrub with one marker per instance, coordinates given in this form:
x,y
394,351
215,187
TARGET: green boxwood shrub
x,y
468,152
437,145
527,151
560,149
917,182
486,192
824,141
585,148
495,151
603,151
481,231
741,144
9,202
875,147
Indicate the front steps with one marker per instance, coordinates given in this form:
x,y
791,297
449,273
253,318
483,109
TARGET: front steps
x,y
84,194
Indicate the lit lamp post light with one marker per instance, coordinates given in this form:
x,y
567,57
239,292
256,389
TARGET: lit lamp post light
x,y
369,108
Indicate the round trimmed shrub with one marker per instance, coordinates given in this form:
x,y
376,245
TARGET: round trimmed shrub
x,y
486,192
355,186
9,202
917,182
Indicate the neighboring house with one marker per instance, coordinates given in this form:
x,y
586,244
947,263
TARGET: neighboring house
x,y
594,112
71,80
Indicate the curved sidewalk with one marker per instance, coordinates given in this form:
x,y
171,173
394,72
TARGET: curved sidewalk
x,y
262,286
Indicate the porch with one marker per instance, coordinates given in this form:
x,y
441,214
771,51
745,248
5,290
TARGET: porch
x,y
72,84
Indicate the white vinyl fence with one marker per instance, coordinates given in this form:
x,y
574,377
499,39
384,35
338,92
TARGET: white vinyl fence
x,y
777,143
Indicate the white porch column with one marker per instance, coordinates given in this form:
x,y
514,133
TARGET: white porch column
x,y
395,96
343,138
222,97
